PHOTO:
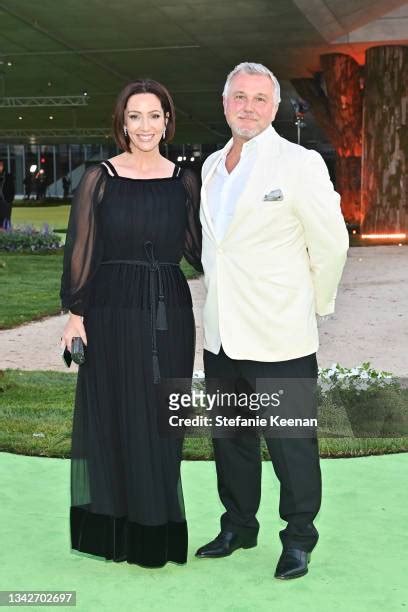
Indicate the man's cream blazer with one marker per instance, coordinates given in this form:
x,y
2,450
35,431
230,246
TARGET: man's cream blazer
x,y
279,262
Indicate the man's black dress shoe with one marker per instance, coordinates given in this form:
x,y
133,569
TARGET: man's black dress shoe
x,y
224,545
292,563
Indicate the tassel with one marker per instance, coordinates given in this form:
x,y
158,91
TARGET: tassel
x,y
156,369
161,318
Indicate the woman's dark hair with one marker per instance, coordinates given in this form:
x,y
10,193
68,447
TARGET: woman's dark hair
x,y
138,87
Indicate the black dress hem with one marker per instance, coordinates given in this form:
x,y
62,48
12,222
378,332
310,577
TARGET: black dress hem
x,y
118,539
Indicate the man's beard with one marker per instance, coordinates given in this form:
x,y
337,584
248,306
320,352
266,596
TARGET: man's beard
x,y
245,132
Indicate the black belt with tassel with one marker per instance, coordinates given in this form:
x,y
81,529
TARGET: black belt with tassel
x,y
158,316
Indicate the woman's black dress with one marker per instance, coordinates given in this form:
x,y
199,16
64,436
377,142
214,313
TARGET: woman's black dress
x,y
125,240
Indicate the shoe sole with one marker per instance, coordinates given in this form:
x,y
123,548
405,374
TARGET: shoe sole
x,y
292,577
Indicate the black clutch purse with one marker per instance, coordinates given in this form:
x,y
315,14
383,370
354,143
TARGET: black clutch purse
x,y
77,353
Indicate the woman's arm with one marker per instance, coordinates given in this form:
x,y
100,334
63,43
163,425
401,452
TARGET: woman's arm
x,y
83,247
193,239
82,252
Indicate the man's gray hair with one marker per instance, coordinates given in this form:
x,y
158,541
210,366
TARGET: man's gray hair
x,y
253,68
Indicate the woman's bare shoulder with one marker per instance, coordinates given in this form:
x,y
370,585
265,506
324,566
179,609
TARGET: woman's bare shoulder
x,y
117,160
119,157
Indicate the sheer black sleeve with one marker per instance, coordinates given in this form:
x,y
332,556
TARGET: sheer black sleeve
x,y
193,239
83,247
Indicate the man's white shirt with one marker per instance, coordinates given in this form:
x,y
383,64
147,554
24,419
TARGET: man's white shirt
x,y
224,188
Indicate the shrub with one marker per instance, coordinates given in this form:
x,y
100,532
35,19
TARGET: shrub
x,y
28,239
364,401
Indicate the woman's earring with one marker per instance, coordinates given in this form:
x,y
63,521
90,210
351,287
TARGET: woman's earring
x,y
125,130
164,133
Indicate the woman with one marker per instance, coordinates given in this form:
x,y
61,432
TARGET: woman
x,y
133,217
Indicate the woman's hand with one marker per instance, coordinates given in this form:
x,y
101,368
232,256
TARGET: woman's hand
x,y
73,329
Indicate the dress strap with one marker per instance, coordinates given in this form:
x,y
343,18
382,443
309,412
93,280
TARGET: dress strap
x,y
110,167
176,171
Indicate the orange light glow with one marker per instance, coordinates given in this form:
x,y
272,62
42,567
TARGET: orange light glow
x,y
382,236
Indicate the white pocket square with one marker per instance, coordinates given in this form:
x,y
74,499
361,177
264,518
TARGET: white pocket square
x,y
273,196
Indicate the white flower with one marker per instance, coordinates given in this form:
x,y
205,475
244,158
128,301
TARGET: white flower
x,y
198,374
362,372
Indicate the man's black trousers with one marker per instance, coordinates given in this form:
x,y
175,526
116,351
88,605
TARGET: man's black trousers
x,y
238,461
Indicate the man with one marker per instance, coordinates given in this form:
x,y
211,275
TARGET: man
x,y
28,184
274,247
9,191
66,184
3,203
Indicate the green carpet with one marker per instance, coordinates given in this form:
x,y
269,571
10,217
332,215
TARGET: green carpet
x,y
356,567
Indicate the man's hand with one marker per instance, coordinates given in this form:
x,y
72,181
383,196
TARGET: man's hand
x,y
325,317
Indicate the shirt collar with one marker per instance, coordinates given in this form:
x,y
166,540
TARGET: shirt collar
x,y
250,144
257,140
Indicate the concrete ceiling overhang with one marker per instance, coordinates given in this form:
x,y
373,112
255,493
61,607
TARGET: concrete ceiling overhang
x,y
58,49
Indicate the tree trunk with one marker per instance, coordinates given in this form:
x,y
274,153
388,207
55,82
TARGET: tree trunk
x,y
310,90
348,184
341,74
385,148
337,108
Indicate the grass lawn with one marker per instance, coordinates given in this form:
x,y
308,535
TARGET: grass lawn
x,y
36,419
55,216
31,284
